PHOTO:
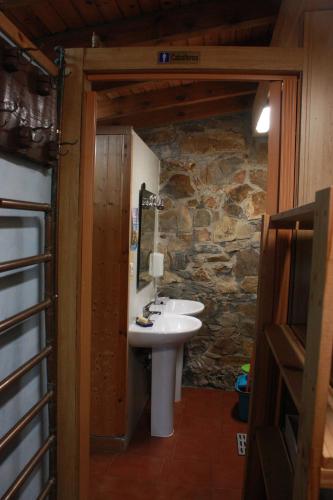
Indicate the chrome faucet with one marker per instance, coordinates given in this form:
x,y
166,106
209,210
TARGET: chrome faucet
x,y
146,312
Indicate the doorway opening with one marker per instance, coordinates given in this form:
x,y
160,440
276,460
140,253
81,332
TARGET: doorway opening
x,y
213,182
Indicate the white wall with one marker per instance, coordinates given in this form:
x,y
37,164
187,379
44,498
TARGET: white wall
x,y
21,235
145,168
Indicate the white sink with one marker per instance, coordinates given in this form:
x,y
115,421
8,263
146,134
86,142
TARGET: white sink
x,y
168,329
165,336
180,306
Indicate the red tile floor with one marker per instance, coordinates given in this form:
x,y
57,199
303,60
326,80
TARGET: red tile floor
x,y
199,462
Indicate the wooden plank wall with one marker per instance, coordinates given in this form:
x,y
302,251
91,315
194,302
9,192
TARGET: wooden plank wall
x,y
288,31
110,264
309,23
316,161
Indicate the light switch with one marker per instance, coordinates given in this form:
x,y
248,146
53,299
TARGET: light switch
x,y
131,269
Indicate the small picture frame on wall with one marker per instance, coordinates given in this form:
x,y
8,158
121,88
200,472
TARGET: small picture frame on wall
x,y
135,229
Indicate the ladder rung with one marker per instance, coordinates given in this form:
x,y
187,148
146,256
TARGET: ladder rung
x,y
27,261
25,205
19,372
26,471
21,316
46,490
23,422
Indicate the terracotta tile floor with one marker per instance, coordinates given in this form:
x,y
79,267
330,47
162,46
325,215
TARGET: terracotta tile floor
x,y
200,462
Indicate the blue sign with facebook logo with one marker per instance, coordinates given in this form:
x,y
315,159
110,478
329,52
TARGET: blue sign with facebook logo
x,y
164,57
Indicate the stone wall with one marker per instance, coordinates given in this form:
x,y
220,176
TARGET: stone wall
x,y
213,180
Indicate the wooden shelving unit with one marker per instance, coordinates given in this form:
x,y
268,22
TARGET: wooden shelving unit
x,y
275,464
293,358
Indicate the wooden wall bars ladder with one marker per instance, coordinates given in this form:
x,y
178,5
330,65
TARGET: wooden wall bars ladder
x,y
48,353
293,362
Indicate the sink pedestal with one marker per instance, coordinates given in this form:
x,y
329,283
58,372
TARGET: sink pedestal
x,y
163,390
165,336
179,373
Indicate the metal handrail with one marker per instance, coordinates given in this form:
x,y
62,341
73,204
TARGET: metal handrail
x,y
23,315
26,471
25,205
27,261
46,490
23,369
23,422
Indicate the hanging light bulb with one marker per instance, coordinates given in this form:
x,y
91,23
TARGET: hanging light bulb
x,y
264,121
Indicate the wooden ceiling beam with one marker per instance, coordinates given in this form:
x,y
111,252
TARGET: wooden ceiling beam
x,y
19,38
115,89
234,34
10,4
185,95
167,23
183,113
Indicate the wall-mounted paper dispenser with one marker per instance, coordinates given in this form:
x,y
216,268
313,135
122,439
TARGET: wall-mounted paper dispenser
x,y
156,264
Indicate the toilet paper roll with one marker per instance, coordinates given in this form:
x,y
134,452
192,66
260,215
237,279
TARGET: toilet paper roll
x,y
156,264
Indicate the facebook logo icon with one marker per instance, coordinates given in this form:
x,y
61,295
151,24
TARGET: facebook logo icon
x,y
164,57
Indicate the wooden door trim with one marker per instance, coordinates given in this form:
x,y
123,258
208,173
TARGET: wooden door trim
x,y
75,242
274,270
74,282
274,143
252,60
69,253
85,312
186,75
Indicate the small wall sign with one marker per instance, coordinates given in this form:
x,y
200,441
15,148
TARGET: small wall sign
x,y
178,57
135,229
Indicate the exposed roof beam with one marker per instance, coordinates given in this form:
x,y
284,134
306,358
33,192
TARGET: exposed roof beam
x,y
10,4
160,25
233,34
186,95
183,113
116,89
19,38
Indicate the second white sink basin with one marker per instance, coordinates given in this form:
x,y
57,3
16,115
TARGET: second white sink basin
x,y
168,329
180,306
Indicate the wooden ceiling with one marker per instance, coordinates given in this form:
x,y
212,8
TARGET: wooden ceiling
x,y
70,23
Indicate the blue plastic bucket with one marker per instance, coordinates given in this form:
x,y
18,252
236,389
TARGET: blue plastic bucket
x,y
243,397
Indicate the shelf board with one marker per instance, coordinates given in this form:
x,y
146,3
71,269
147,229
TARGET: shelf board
x,y
303,215
327,458
300,332
326,478
275,464
289,355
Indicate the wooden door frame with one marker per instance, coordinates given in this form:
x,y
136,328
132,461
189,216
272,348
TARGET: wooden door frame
x,y
76,206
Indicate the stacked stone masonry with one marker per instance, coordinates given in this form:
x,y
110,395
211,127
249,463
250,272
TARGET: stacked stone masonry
x,y
213,181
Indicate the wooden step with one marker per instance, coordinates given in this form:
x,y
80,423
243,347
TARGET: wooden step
x,y
300,331
327,459
289,355
302,217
